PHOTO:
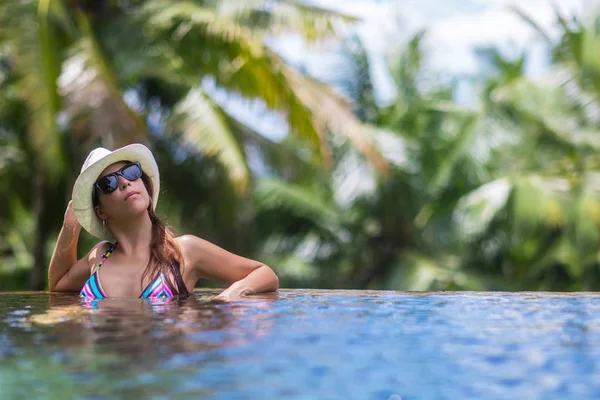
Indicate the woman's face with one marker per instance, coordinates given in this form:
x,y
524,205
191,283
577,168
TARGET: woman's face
x,y
130,197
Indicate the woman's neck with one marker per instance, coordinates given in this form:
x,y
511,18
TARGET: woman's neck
x,y
133,234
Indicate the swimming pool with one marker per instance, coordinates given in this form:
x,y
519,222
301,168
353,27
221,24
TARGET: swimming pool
x,y
302,344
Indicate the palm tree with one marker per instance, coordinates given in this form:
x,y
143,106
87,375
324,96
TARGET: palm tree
x,y
183,46
358,240
536,215
501,197
111,73
35,62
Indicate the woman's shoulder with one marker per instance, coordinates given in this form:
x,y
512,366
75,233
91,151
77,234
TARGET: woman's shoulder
x,y
193,248
99,249
192,242
96,252
103,244
187,241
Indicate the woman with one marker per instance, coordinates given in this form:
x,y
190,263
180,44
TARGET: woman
x,y
114,199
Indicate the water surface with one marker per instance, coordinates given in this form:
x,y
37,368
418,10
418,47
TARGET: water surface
x,y
302,344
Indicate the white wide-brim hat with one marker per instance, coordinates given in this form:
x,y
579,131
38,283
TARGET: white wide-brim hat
x,y
94,164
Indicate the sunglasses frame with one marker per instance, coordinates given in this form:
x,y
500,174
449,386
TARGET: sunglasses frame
x,y
117,174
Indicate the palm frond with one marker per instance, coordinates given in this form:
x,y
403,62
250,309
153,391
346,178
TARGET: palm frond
x,y
540,201
553,110
531,22
240,64
292,267
205,129
458,150
475,211
583,223
134,129
35,55
591,51
274,194
332,113
264,17
236,60
284,159
418,272
353,77
407,66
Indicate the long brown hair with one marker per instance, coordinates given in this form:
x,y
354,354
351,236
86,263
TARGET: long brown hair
x,y
165,253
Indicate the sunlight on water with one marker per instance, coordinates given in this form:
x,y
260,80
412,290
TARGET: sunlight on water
x,y
302,344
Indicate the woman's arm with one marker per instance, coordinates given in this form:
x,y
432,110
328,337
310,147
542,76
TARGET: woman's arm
x,y
65,272
243,275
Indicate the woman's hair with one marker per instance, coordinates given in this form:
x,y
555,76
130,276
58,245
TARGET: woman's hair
x,y
165,253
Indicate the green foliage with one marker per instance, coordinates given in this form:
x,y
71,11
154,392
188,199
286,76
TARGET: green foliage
x,y
421,194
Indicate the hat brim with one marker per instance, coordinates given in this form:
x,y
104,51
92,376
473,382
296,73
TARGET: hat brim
x,y
83,207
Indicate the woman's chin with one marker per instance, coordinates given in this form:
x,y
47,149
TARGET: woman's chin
x,y
132,211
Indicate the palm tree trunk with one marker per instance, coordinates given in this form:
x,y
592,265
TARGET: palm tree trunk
x,y
36,281
383,251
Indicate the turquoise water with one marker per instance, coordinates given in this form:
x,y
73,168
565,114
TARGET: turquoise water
x,y
302,344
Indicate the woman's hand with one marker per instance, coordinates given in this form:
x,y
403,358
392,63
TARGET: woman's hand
x,y
70,220
234,292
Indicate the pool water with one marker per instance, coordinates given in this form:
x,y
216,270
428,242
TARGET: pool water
x,y
302,344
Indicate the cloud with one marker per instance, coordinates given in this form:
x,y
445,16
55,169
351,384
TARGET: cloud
x,y
455,27
455,37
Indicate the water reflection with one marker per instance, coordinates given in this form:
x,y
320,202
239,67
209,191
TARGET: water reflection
x,y
136,346
146,330
303,344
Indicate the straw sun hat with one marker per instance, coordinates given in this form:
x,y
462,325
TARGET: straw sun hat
x,y
94,164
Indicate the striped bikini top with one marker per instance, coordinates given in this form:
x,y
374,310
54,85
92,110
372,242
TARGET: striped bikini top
x,y
92,289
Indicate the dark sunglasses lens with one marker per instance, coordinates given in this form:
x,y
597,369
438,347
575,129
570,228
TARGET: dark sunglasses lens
x,y
132,172
108,183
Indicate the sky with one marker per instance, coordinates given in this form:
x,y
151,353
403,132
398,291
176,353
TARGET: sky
x,y
454,28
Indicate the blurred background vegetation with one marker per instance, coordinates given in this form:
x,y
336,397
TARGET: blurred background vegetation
x,y
420,194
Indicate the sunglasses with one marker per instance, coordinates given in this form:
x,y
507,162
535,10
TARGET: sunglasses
x,y
109,183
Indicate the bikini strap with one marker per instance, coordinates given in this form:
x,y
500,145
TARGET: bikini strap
x,y
111,248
